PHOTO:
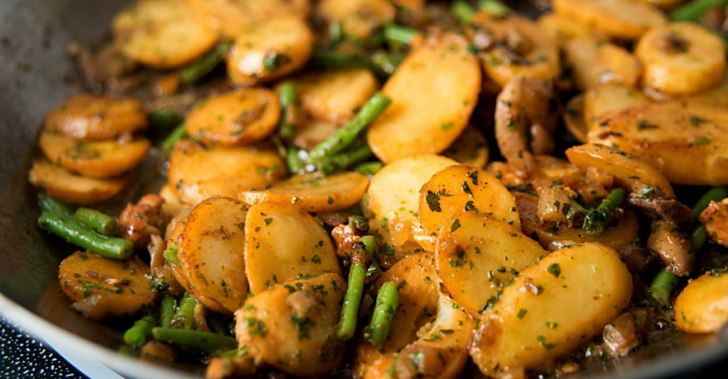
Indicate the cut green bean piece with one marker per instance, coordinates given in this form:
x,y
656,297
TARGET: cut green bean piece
x,y
164,118
398,34
494,7
662,286
352,300
462,11
184,317
698,238
370,245
715,194
179,133
348,158
597,220
294,161
50,204
387,62
330,59
336,32
138,334
287,95
694,10
80,235
200,68
194,339
170,254
167,310
96,220
369,168
386,305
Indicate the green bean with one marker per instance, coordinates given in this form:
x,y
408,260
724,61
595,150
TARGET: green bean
x,y
386,62
398,34
336,32
170,254
294,161
370,245
662,286
694,10
336,60
96,220
352,300
348,158
167,310
164,118
137,335
715,194
194,339
287,95
179,133
596,220
200,68
494,7
345,136
78,234
52,205
387,302
698,238
462,11
184,317
369,168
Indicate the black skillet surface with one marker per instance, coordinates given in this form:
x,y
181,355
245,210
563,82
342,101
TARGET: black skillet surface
x,y
35,75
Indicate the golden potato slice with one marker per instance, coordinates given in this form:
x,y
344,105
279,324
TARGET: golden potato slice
x,y
470,148
478,255
393,196
335,96
520,48
629,171
198,174
73,188
688,145
96,159
162,33
310,132
562,29
235,118
211,254
232,18
702,307
91,118
314,192
464,189
552,309
574,118
358,18
607,98
292,326
284,242
681,58
622,19
596,61
269,50
415,124
102,287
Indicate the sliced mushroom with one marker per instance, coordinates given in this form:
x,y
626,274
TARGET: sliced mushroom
x,y
661,207
672,246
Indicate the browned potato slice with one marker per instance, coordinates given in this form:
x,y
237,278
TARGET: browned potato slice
x,y
433,94
211,254
293,326
702,307
681,58
236,117
574,118
470,148
198,174
622,19
607,98
233,18
96,159
90,117
310,132
73,188
284,242
595,61
335,95
162,33
520,48
562,29
552,309
478,255
313,192
464,189
358,18
629,171
269,50
393,196
688,145
102,287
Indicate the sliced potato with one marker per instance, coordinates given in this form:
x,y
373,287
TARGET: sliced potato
x,y
681,58
335,96
478,255
393,196
416,123
464,189
702,307
665,4
211,254
470,148
73,188
284,242
622,19
96,159
269,50
574,118
293,326
552,309
520,48
91,118
162,33
310,132
688,145
313,192
236,117
103,287
595,61
232,18
607,98
198,174
358,18
562,29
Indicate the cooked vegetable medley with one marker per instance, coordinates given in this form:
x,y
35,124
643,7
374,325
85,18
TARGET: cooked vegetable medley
x,y
401,187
